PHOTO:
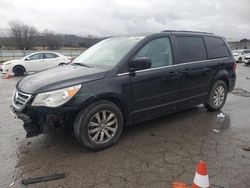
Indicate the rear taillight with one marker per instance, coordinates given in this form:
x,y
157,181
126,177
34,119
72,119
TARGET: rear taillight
x,y
234,66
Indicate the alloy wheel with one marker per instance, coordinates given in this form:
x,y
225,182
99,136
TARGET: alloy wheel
x,y
219,95
102,127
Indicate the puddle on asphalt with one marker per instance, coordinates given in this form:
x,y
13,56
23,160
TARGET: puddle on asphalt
x,y
241,92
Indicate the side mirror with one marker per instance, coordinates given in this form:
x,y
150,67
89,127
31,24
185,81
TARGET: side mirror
x,y
27,59
140,63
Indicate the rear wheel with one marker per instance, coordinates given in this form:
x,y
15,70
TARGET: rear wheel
x,y
217,96
99,125
19,70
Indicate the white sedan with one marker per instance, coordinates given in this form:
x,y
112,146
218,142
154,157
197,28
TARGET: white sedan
x,y
239,55
34,62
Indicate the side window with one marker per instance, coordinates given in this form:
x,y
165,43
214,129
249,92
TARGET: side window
x,y
49,55
35,57
190,49
216,48
246,52
159,51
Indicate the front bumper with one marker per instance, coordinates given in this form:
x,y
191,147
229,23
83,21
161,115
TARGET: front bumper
x,y
246,61
5,70
42,120
25,118
31,127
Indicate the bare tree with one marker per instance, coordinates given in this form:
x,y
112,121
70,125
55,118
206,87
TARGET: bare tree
x,y
51,40
23,34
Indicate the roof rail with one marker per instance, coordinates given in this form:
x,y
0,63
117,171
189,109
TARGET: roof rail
x,y
183,31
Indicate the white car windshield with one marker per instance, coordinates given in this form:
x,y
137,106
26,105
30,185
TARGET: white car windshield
x,y
107,52
237,51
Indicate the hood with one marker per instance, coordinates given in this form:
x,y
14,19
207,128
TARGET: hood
x,y
9,62
59,77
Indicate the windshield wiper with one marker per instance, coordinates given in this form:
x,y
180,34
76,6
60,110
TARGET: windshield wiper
x,y
83,64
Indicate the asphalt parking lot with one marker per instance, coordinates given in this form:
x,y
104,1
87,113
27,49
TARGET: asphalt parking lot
x,y
151,154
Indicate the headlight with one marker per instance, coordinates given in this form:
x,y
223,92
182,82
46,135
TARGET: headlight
x,y
56,98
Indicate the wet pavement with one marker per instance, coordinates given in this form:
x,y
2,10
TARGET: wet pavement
x,y
151,154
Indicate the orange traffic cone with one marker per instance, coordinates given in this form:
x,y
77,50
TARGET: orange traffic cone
x,y
201,176
7,76
179,185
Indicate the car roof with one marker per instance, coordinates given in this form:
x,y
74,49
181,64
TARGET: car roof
x,y
176,32
46,52
33,53
187,32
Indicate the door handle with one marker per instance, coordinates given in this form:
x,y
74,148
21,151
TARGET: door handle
x,y
184,73
170,76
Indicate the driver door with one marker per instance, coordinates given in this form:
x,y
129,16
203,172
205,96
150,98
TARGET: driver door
x,y
155,90
34,62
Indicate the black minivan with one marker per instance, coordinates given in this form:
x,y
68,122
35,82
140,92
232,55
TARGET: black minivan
x,y
125,80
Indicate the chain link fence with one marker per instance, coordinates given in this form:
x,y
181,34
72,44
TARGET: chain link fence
x,y
9,51
6,55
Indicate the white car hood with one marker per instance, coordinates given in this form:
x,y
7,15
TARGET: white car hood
x,y
9,62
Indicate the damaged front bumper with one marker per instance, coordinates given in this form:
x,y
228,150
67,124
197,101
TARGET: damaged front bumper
x,y
43,120
31,128
23,117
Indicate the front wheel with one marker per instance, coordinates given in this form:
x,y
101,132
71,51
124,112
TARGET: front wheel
x,y
217,96
240,60
19,70
99,125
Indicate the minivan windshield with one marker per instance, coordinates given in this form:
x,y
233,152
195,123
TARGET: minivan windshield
x,y
108,52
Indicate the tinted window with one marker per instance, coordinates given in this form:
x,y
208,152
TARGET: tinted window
x,y
191,49
49,55
216,48
159,51
35,57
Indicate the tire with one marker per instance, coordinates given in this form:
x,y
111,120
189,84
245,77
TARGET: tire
x,y
217,96
19,70
240,60
93,132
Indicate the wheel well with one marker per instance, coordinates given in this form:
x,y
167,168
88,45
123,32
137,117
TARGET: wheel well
x,y
224,79
116,101
19,66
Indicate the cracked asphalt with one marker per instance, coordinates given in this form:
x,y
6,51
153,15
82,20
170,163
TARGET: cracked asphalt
x,y
151,154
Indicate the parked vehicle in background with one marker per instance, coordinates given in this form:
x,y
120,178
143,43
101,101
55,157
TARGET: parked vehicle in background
x,y
121,81
33,63
247,59
239,55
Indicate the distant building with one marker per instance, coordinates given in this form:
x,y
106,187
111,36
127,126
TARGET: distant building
x,y
242,44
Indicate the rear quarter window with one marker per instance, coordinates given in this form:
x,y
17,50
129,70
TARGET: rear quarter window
x,y
190,48
216,48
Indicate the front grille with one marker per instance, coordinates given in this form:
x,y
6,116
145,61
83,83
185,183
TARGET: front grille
x,y
20,99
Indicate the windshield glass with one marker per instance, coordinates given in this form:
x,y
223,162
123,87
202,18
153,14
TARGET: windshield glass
x,y
107,52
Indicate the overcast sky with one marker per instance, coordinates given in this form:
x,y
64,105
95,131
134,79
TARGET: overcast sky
x,y
229,18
